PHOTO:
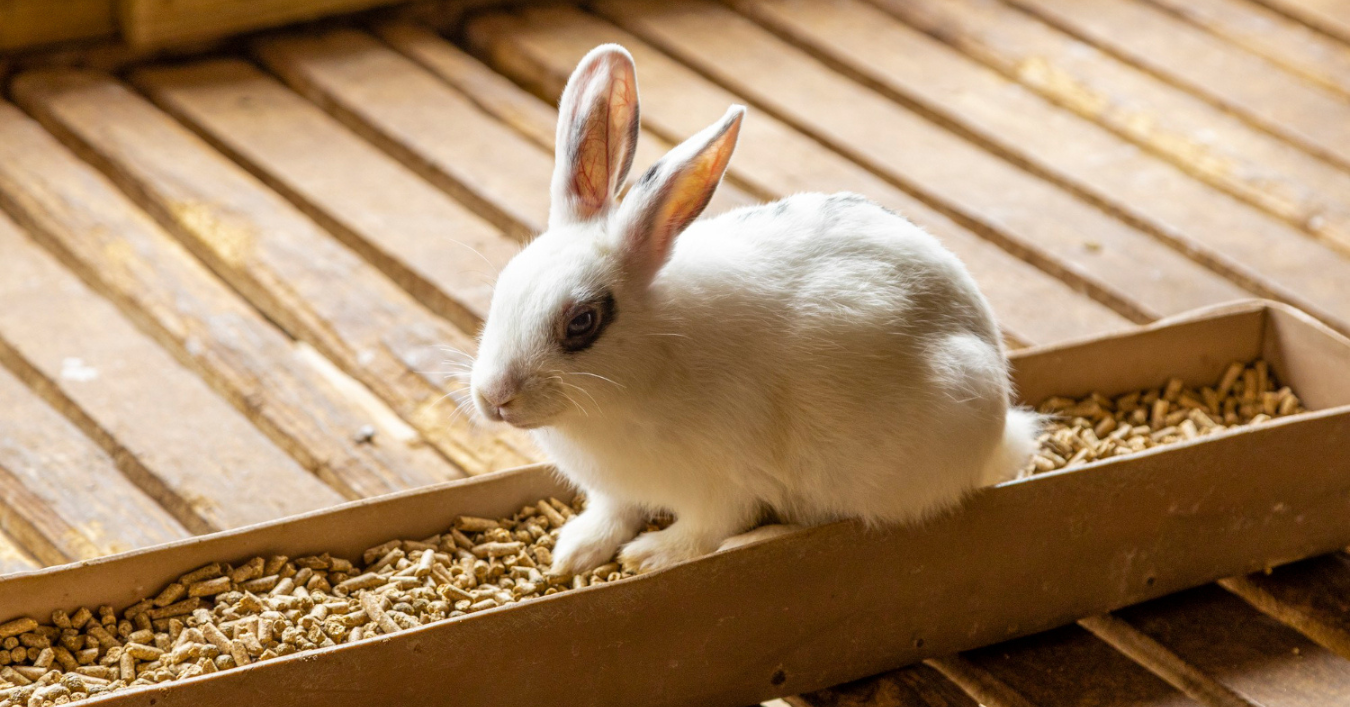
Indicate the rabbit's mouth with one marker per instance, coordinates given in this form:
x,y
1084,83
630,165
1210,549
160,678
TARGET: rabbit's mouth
x,y
515,419
517,413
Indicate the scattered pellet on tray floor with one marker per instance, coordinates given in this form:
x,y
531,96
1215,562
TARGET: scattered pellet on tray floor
x,y
220,616
1096,427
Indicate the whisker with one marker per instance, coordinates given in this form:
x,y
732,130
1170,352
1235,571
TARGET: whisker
x,y
597,375
575,404
494,268
587,392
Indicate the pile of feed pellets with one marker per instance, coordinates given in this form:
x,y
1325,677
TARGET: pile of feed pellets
x,y
1095,427
223,616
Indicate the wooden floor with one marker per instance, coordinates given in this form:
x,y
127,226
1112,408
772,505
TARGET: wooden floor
x,y
237,287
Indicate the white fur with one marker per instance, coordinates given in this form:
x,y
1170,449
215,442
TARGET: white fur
x,y
817,358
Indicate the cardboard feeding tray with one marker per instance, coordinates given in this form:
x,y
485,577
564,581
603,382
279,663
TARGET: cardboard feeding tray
x,y
833,603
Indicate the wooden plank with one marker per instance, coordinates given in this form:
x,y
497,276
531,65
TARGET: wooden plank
x,y
432,246
979,683
428,243
776,160
1069,666
430,126
1252,654
1263,254
1290,44
168,432
298,275
1312,596
1207,142
915,686
294,395
1330,17
530,116
1234,79
27,23
14,558
1164,663
1121,265
416,117
61,497
162,22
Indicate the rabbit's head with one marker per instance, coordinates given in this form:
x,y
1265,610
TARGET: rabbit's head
x,y
568,314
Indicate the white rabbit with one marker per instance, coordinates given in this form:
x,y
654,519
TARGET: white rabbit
x,y
817,358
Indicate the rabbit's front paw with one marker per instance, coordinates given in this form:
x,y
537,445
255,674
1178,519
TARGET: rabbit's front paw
x,y
586,542
661,549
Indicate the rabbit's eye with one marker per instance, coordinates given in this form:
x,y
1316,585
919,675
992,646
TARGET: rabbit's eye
x,y
584,323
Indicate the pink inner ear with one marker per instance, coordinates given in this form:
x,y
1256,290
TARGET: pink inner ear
x,y
604,144
590,177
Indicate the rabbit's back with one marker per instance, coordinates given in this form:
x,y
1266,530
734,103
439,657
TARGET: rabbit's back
x,y
820,336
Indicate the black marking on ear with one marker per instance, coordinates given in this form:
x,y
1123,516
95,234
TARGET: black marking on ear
x,y
626,163
650,175
606,309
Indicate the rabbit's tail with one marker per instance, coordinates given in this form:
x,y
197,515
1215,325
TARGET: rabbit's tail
x,y
1016,447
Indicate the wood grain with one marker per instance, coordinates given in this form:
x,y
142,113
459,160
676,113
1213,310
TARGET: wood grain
x,y
534,118
1205,141
978,682
14,558
1230,77
1294,46
1069,666
1250,653
419,119
494,93
1331,17
298,275
437,250
295,396
164,22
1259,252
776,160
61,497
167,431
28,23
915,686
1161,662
1081,244
1312,596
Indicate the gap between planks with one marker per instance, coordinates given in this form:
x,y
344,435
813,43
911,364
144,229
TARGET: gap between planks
x,y
1260,92
46,464
290,392
315,288
778,161
1329,18
166,430
1284,41
1255,250
1003,202
1206,142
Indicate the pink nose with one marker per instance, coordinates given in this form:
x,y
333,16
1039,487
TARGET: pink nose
x,y
499,395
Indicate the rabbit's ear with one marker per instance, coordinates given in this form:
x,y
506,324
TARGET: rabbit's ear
x,y
597,132
670,195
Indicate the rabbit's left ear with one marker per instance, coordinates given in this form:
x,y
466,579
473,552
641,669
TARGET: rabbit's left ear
x,y
597,133
670,195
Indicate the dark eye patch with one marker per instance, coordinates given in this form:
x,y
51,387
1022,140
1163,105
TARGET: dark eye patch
x,y
583,323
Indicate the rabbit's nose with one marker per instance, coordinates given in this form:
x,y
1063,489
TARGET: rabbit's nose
x,y
499,396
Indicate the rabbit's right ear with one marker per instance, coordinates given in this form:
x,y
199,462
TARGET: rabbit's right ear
x,y
597,133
